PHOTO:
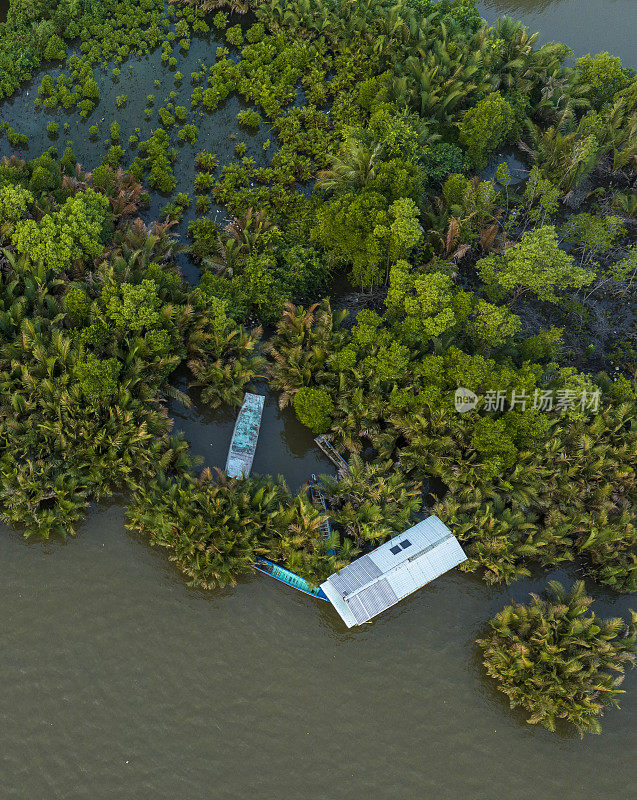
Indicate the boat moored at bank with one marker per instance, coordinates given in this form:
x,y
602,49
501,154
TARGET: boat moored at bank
x,y
245,436
288,577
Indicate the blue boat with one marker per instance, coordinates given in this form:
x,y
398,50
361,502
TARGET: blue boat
x,y
290,578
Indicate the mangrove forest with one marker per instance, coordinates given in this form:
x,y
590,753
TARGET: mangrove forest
x,y
418,232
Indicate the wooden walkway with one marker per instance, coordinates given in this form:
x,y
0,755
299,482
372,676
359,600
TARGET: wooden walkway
x,y
334,456
318,498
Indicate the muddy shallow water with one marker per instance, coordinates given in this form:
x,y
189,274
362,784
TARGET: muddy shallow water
x,y
119,681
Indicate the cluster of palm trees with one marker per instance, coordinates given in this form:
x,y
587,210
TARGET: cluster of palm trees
x,y
223,356
556,502
238,240
57,451
567,145
439,65
304,340
556,662
61,448
213,527
351,168
372,502
566,495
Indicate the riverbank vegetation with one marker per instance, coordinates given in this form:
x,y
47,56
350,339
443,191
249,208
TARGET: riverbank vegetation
x,y
95,320
555,661
475,191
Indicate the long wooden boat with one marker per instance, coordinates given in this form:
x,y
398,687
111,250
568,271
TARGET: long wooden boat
x,y
284,575
318,498
244,436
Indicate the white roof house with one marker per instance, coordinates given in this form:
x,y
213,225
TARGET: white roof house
x,y
378,580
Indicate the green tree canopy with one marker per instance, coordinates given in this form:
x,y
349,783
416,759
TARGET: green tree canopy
x,y
365,231
491,325
536,264
73,232
345,227
314,407
484,126
14,201
132,307
601,76
97,377
424,305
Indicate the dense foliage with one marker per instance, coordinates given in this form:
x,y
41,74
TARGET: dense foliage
x,y
516,289
94,321
555,661
214,529
523,485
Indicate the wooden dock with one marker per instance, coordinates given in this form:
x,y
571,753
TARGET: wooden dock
x,y
334,456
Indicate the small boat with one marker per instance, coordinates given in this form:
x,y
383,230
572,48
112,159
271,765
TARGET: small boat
x,y
342,467
318,498
286,576
245,436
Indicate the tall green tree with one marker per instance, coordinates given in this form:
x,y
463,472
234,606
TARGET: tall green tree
x,y
485,126
69,234
536,265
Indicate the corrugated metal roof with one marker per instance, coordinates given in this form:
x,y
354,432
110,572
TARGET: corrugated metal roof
x,y
378,580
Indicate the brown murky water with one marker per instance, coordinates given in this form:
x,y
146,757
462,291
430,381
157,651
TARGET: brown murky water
x,y
117,681
587,26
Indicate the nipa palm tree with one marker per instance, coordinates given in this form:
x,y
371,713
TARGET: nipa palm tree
x,y
351,168
556,662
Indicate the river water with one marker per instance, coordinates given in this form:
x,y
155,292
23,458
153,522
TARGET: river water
x,y
118,681
587,26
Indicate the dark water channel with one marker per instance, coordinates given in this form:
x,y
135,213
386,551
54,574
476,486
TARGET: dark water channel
x,y
219,132
117,681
